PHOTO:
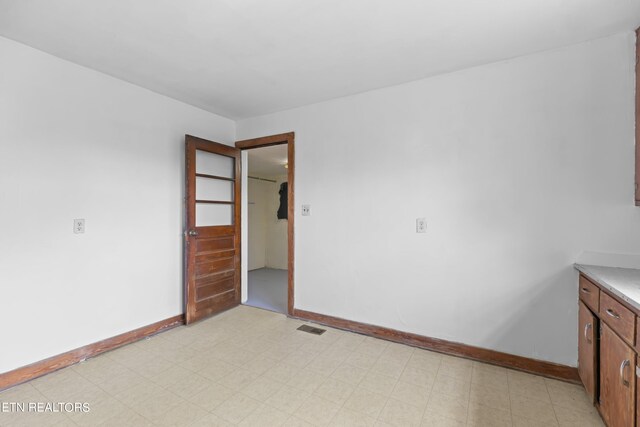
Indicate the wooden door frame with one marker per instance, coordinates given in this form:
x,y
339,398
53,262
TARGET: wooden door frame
x,y
267,141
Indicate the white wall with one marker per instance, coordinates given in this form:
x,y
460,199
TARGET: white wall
x,y
277,229
257,222
267,234
518,166
75,143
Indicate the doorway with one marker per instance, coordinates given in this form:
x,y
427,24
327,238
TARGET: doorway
x,y
268,222
267,219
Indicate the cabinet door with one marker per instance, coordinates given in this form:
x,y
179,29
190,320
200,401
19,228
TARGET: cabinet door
x,y
617,382
587,327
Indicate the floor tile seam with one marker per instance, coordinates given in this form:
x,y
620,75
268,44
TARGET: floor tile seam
x,y
424,412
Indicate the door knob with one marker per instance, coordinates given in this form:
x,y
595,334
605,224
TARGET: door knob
x,y
193,233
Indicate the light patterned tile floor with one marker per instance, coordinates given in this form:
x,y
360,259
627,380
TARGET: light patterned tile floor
x,y
251,367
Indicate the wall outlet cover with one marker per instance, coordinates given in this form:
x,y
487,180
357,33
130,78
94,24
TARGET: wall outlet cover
x,y
78,226
421,225
306,210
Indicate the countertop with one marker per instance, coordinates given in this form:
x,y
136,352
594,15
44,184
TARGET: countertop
x,y
622,282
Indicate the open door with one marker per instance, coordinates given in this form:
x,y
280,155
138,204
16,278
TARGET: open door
x,y
212,235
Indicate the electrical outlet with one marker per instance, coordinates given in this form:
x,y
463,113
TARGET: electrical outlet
x,y
306,210
78,226
421,225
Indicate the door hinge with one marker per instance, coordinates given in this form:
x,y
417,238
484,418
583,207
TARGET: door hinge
x,y
637,371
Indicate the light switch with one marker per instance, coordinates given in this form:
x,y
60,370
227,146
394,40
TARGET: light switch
x,y
421,225
306,210
78,226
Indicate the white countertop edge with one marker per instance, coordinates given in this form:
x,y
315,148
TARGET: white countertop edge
x,y
588,270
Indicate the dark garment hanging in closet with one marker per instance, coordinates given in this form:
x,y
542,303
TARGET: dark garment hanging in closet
x,y
284,201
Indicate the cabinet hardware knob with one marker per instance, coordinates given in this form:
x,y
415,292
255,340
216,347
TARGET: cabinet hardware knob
x,y
586,290
586,332
612,313
623,365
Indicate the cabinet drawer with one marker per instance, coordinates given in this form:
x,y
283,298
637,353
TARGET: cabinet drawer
x,y
589,293
621,319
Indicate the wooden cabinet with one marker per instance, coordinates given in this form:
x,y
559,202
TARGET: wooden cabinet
x,y
637,402
606,353
587,353
617,380
589,294
621,319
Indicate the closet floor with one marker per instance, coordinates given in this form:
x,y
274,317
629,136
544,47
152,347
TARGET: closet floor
x,y
268,289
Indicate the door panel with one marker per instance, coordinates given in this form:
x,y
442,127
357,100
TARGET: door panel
x,y
212,236
214,189
587,325
208,215
215,244
617,382
214,284
211,265
212,164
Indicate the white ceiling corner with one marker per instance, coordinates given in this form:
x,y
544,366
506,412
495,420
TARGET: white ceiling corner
x,y
243,58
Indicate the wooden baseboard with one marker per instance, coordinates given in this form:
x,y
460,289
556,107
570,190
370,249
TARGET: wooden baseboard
x,y
538,367
43,367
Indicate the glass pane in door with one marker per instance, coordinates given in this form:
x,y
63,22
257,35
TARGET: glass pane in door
x,y
214,189
210,214
214,164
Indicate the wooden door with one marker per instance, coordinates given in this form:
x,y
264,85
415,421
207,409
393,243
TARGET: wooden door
x,y
587,324
617,382
212,235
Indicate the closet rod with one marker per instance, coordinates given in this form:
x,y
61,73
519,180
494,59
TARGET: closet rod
x,y
262,179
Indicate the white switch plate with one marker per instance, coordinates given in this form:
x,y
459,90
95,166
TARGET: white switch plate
x,y
306,210
421,225
78,226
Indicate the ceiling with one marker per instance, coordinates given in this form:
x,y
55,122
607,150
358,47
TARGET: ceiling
x,y
242,58
267,161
